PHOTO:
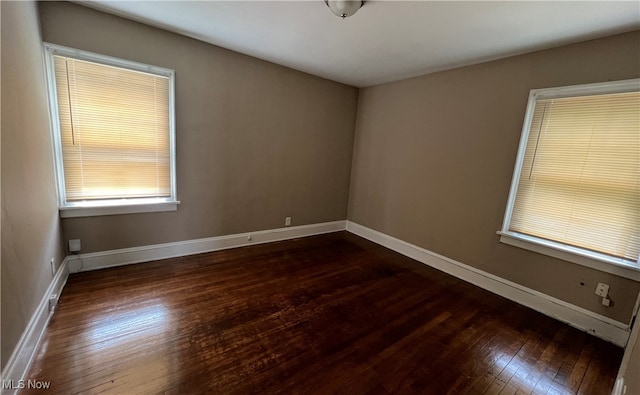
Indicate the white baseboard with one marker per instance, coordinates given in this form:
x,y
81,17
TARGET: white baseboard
x,y
125,256
618,387
25,351
603,327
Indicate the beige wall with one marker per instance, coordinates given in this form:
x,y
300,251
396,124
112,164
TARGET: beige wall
x,y
256,142
629,372
30,225
434,156
432,161
632,370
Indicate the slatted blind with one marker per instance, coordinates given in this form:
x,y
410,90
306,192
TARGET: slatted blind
x,y
114,131
580,179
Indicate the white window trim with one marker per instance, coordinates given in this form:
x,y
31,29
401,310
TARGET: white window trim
x,y
621,267
119,206
111,206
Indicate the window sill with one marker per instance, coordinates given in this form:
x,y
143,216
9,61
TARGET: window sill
x,y
117,207
619,267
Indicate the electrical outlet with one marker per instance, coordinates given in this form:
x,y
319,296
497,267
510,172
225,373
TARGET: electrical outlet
x,y
75,246
53,265
602,290
287,221
53,301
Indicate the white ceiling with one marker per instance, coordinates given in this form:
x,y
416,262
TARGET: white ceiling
x,y
385,40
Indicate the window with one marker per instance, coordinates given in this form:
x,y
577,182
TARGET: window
x,y
113,133
575,192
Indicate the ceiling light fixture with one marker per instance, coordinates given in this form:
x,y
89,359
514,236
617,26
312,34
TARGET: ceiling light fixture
x,y
344,8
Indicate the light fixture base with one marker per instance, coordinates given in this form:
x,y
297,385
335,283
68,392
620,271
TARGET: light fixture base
x,y
344,8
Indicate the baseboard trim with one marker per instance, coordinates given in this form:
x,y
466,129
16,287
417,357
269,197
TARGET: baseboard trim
x,y
126,256
603,327
25,351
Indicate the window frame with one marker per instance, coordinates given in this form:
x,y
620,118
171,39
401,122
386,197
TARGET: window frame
x,y
618,266
106,206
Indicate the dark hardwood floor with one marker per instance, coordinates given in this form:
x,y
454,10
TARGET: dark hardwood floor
x,y
319,315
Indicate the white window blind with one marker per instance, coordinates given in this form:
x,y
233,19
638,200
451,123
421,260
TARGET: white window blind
x,y
579,182
114,127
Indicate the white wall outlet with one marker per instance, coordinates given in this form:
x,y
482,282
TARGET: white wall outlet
x,y
75,245
53,301
287,221
602,290
53,265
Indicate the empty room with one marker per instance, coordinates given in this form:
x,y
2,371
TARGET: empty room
x,y
320,197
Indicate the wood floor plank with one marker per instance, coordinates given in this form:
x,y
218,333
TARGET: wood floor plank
x,y
330,314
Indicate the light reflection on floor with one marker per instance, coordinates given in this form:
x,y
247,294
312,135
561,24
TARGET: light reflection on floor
x,y
113,336
126,326
514,372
